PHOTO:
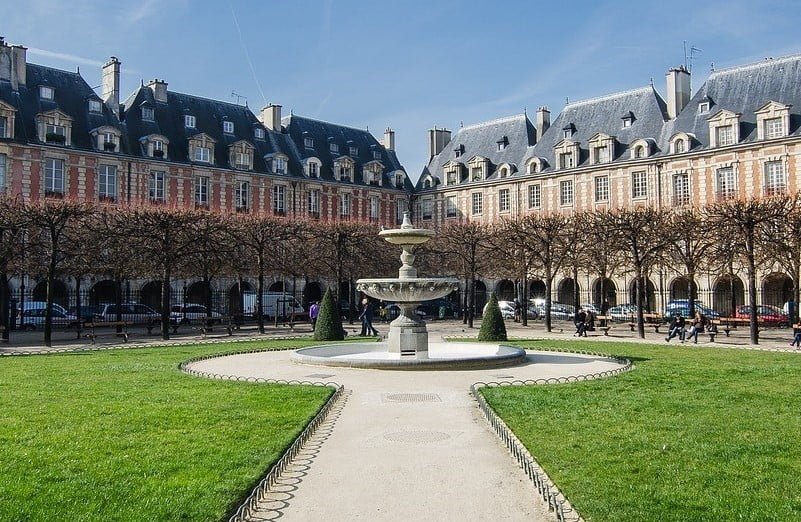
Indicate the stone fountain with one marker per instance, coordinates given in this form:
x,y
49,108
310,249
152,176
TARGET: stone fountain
x,y
407,347
407,334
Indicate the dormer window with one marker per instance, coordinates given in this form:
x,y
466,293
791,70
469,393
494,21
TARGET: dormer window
x,y
55,133
258,133
148,114
106,138
568,131
773,120
154,145
679,146
202,154
308,143
95,106
376,155
458,151
158,148
628,119
228,127
639,152
279,165
724,135
566,160
354,151
703,107
312,167
189,121
201,148
333,147
724,128
3,127
398,180
345,172
46,93
600,154
503,143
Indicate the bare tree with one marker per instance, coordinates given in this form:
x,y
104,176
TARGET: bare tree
x,y
746,221
601,250
781,242
12,227
50,221
512,237
689,247
211,252
643,235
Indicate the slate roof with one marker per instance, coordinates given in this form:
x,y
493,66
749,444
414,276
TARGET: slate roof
x,y
324,133
209,116
71,95
743,89
605,115
482,140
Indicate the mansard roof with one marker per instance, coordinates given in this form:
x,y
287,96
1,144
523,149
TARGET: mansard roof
x,y
482,140
209,116
602,115
744,89
71,96
324,133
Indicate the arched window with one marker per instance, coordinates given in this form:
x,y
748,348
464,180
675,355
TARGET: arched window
x,y
532,167
427,183
678,147
639,151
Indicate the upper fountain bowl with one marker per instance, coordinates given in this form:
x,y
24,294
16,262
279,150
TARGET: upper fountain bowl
x,y
406,236
412,290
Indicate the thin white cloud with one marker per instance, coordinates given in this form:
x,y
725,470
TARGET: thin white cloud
x,y
147,8
64,57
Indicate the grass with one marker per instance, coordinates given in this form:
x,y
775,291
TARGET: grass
x,y
124,435
690,435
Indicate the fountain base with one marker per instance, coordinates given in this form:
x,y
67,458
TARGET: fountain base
x,y
439,356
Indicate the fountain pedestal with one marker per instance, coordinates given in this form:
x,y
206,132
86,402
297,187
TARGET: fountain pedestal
x,y
408,334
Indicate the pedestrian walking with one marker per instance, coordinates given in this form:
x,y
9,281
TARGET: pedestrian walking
x,y
314,312
366,316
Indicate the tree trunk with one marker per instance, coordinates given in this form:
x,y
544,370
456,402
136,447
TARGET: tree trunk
x,y
207,281
752,298
639,291
78,306
524,302
118,301
166,275
691,291
576,297
465,300
5,306
51,277
548,286
471,300
260,294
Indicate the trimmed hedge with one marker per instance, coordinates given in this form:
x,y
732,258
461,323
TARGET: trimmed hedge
x,y
329,324
492,325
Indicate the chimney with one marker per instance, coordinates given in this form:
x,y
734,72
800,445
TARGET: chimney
x,y
678,90
271,117
543,122
159,88
389,139
13,65
437,139
111,84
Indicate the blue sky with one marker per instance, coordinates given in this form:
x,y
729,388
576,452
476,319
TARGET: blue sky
x,y
407,64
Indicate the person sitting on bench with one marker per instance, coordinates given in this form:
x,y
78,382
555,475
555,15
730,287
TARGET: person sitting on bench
x,y
676,328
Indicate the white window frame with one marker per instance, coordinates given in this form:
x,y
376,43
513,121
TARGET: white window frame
x,y
504,200
202,191
279,165
314,201
242,195
157,186
724,135
333,147
725,183
679,144
639,184
344,205
376,155
3,170
566,160
279,200
314,169
703,107
308,143
148,114
258,133
54,181
4,127
600,154
47,93
228,127
428,208
775,178
242,160
55,129
535,196
95,106
681,189
774,128
353,151
601,189
374,207
201,156
190,122
477,203
107,182
566,193
451,208
158,145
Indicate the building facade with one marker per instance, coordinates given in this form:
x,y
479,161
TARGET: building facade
x,y
61,139
739,135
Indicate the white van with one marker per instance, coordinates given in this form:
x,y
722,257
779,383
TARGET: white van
x,y
284,305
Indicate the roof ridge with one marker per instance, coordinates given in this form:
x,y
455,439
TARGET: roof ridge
x,y
754,65
290,116
495,121
606,97
204,98
74,73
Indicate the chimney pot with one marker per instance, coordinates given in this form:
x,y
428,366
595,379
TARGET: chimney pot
x,y
543,122
389,139
678,90
159,88
111,84
270,117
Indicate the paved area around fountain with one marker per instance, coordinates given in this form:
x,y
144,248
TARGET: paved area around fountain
x,y
406,445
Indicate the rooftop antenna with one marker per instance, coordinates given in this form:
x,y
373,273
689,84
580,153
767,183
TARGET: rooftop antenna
x,y
689,55
239,98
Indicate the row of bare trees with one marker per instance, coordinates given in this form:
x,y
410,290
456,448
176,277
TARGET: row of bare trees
x,y
61,238
727,237
53,239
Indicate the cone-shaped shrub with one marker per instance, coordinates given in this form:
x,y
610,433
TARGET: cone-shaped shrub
x,y
492,325
329,324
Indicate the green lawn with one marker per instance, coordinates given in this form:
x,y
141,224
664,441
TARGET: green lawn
x,y
124,435
690,434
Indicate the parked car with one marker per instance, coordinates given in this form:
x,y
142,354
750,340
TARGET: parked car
x,y
87,313
624,312
435,309
768,314
682,306
559,311
129,312
190,312
32,316
507,309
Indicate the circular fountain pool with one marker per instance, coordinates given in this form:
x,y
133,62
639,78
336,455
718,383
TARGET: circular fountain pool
x,y
440,356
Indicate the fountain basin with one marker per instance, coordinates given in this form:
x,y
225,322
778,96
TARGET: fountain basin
x,y
409,290
440,356
406,236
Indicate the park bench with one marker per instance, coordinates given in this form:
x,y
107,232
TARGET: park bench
x,y
604,322
206,324
652,320
731,323
94,326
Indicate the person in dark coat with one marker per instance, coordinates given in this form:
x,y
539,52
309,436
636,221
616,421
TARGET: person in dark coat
x,y
581,323
366,316
676,328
